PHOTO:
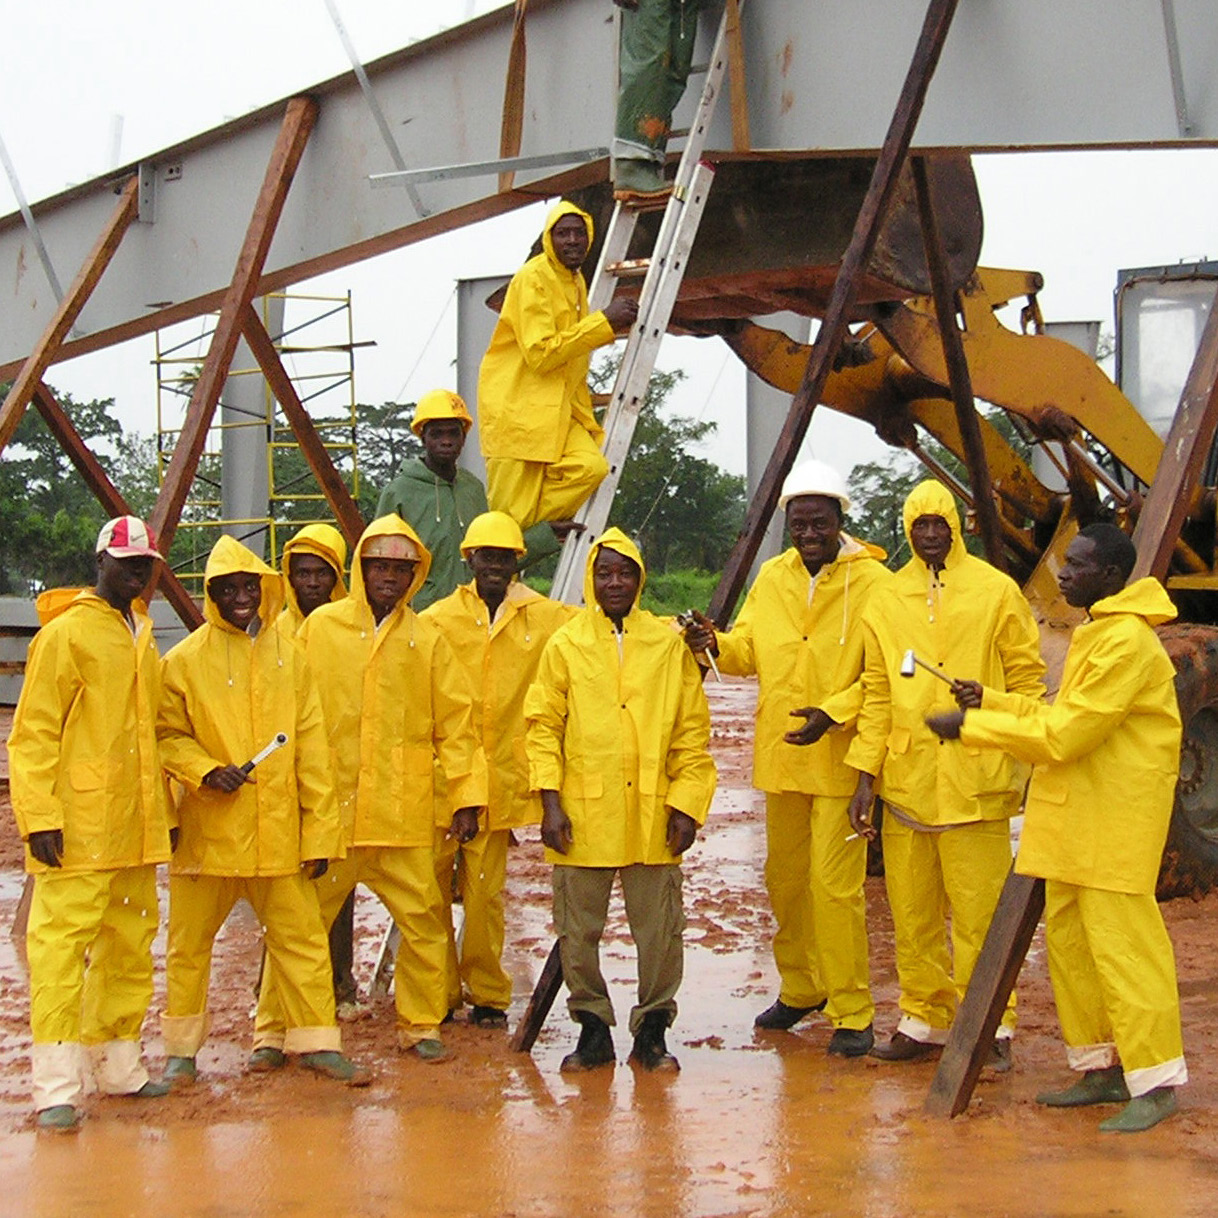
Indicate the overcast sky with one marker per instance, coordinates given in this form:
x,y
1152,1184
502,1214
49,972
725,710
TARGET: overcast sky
x,y
171,70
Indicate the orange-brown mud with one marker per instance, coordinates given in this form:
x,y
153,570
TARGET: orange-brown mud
x,y
755,1124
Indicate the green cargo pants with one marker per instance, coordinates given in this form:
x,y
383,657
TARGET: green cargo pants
x,y
653,909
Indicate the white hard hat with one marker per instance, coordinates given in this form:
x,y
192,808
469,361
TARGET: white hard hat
x,y
814,478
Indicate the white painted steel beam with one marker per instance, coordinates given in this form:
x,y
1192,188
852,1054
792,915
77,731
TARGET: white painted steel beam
x,y
823,76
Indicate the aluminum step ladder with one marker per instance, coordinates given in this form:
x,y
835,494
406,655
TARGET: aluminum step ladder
x,y
665,270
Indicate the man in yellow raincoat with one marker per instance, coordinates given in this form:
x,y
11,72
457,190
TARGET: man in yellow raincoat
x,y
395,701
90,803
1106,757
946,811
312,564
497,627
539,436
800,632
265,833
618,734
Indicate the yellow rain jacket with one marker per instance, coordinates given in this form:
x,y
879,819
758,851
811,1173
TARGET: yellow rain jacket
x,y
82,753
226,695
322,541
395,700
803,639
619,726
1106,753
534,378
500,659
971,622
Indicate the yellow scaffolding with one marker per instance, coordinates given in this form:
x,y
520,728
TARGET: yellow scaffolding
x,y
323,373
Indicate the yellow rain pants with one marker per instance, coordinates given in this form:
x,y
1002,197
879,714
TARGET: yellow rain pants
x,y
530,491
1114,982
963,869
91,933
405,880
815,881
296,948
476,971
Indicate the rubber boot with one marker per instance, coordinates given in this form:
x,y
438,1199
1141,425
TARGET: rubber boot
x,y
1105,1086
649,1050
59,1118
331,1064
594,1048
1142,1112
180,1071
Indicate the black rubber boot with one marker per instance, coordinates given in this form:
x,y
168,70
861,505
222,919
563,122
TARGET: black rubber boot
x,y
649,1050
595,1046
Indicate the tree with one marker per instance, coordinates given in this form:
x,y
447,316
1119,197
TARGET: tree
x,y
683,509
49,519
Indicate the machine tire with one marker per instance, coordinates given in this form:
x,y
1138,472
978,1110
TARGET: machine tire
x,y
1190,859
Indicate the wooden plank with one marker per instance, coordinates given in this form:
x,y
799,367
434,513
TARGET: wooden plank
x,y
108,495
1002,956
735,66
298,120
1184,452
512,127
346,510
40,359
854,263
544,994
958,378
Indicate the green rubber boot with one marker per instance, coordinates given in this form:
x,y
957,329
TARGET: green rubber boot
x,y
59,1118
150,1091
1105,1086
266,1059
1142,1112
180,1071
331,1064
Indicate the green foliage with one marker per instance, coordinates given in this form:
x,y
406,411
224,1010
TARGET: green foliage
x,y
48,517
674,591
683,510
383,441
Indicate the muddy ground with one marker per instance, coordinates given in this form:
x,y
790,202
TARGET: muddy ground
x,y
755,1123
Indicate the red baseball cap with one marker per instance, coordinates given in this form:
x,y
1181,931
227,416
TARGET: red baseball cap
x,y
127,537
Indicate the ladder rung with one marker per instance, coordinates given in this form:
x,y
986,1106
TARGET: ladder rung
x,y
699,69
630,268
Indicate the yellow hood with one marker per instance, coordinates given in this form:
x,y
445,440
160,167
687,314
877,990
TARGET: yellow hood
x,y
51,603
1145,597
563,208
323,541
617,541
229,557
932,498
389,526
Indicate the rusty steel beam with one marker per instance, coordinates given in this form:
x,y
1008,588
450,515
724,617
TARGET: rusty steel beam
x,y
298,120
40,359
107,494
1188,443
346,510
958,377
867,226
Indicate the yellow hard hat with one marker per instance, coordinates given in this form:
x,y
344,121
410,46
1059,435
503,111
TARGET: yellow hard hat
x,y
494,529
440,404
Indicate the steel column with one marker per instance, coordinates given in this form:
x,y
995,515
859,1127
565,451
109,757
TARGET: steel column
x,y
344,507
